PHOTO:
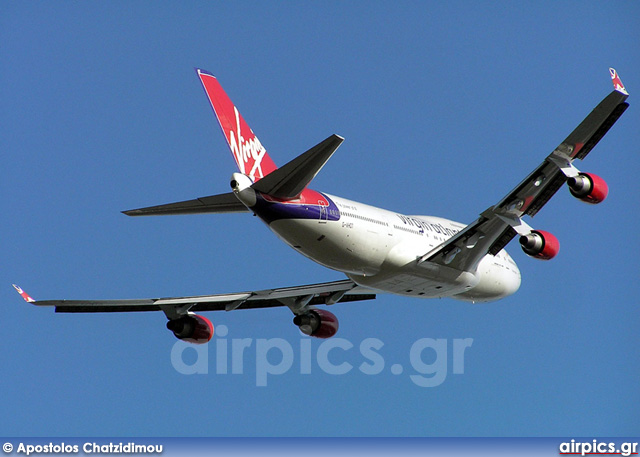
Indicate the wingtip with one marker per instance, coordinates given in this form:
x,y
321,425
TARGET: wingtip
x,y
617,82
23,294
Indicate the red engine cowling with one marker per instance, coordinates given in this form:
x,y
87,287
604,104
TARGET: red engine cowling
x,y
317,323
192,329
540,245
588,187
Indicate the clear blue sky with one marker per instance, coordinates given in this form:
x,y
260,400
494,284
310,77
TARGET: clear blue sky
x,y
444,109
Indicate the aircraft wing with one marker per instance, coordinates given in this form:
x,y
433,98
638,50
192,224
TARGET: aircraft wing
x,y
297,298
497,226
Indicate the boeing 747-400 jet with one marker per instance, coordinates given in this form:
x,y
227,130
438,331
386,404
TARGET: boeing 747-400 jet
x,y
379,251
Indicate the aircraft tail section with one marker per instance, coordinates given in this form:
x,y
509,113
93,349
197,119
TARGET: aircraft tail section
x,y
288,181
248,152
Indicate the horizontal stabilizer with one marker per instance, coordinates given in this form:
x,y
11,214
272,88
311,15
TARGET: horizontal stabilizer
x,y
288,181
222,203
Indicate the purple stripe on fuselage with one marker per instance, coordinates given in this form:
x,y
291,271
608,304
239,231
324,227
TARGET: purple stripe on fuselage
x,y
270,211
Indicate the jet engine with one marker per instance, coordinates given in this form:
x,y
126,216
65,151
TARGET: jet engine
x,y
588,187
540,245
317,323
192,329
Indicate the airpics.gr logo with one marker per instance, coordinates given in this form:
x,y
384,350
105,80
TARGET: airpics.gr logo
x,y
246,151
428,359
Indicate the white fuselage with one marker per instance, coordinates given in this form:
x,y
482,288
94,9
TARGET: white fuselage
x,y
379,249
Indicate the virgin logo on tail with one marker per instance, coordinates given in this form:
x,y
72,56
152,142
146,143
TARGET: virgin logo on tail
x,y
246,151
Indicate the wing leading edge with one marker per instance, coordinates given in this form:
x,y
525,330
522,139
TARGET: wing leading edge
x,y
499,224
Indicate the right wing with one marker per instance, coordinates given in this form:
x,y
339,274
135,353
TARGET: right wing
x,y
297,298
499,224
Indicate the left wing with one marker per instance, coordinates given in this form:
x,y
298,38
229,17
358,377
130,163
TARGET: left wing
x,y
497,226
299,299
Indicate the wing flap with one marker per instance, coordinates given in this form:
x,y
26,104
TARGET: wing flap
x,y
591,130
465,249
502,240
602,130
536,190
549,190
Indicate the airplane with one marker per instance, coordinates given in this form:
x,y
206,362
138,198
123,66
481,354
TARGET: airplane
x,y
379,251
